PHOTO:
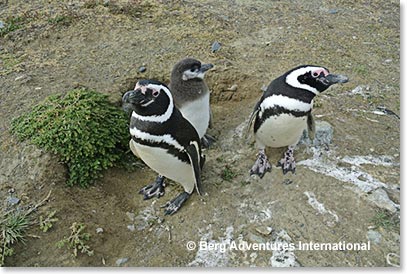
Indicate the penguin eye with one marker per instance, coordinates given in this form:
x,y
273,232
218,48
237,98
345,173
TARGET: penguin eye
x,y
315,74
156,93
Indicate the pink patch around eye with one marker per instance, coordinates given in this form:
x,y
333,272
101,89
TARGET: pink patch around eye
x,y
156,93
318,72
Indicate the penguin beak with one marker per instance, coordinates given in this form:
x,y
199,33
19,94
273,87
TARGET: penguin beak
x,y
336,78
205,67
133,97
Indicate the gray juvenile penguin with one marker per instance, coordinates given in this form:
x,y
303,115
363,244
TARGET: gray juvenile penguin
x,y
284,111
191,95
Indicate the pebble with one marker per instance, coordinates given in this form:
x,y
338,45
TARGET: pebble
x,y
99,230
333,11
13,200
374,236
264,230
131,216
23,78
142,69
264,88
131,228
121,261
1,24
233,88
215,46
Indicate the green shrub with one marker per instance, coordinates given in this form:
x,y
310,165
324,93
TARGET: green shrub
x,y
82,127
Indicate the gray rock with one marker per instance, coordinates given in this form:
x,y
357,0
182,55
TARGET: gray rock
x,y
1,24
255,239
323,135
333,11
13,200
99,230
374,236
142,69
131,216
215,46
264,230
121,261
131,228
380,198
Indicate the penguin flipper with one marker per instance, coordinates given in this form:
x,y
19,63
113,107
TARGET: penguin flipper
x,y
194,154
311,126
253,115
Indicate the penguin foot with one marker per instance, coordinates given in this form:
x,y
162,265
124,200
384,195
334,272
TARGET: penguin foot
x,y
287,163
175,204
207,141
262,164
154,189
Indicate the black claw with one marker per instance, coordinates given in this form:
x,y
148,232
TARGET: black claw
x,y
175,204
207,141
154,189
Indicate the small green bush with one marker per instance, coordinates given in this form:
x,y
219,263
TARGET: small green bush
x,y
82,127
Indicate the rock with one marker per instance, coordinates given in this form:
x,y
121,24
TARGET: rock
x,y
233,88
255,239
264,88
121,261
380,198
13,200
99,230
264,230
333,11
131,216
323,135
374,236
1,24
215,46
142,69
131,228
23,78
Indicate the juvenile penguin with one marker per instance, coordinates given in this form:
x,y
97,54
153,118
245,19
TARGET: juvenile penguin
x,y
191,95
164,139
284,111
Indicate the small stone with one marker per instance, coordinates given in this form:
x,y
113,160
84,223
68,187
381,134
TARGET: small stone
x,y
13,200
264,88
264,230
233,88
387,61
333,11
131,228
142,69
255,239
215,46
99,230
121,261
374,236
23,78
1,24
131,216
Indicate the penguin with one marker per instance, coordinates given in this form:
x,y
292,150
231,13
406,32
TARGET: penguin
x,y
164,140
284,112
191,95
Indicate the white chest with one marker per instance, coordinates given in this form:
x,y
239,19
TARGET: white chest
x,y
167,165
198,114
282,130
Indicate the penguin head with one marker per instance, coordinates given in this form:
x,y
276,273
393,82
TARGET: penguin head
x,y
149,98
313,78
189,69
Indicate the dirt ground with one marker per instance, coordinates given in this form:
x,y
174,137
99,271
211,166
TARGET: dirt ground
x,y
337,190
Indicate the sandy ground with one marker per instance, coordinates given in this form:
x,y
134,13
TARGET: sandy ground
x,y
338,188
